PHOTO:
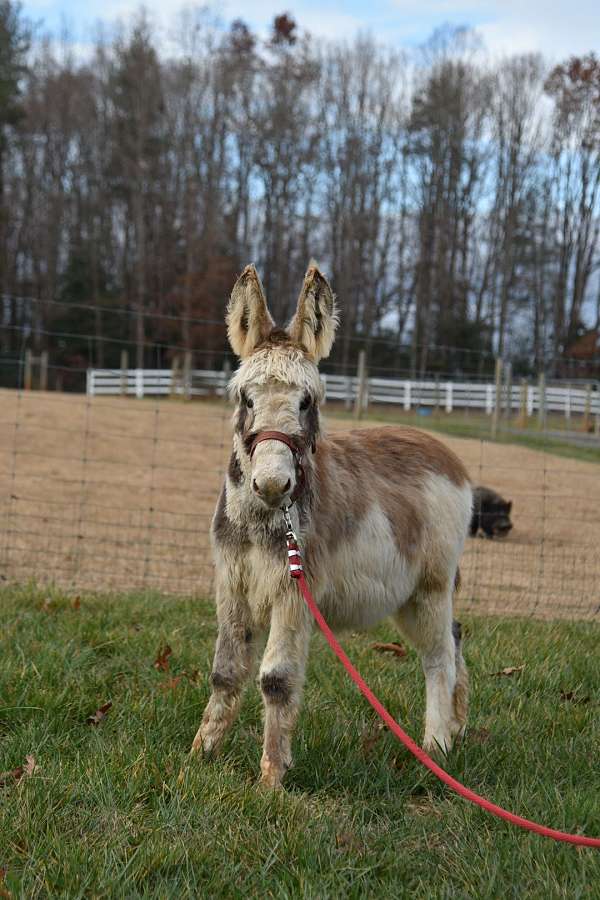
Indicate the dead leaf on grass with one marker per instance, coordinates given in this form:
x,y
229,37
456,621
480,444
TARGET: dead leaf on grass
x,y
370,737
4,892
479,736
509,670
161,663
391,647
423,807
76,602
28,768
347,842
573,697
99,714
171,683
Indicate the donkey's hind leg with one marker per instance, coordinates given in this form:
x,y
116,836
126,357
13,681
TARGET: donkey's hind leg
x,y
234,663
426,620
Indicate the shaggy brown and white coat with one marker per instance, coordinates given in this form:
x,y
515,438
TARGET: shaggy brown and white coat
x,y
382,519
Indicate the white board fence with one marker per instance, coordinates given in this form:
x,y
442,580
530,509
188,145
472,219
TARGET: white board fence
x,y
409,395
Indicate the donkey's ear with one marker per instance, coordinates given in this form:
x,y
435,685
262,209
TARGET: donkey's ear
x,y
248,318
316,318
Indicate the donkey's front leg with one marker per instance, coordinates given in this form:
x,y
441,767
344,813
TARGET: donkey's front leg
x,y
235,654
281,681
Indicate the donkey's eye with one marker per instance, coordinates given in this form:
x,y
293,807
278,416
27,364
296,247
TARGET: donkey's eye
x,y
305,402
249,402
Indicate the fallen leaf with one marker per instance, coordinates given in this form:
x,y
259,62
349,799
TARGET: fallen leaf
x,y
510,670
99,714
392,647
28,768
346,841
162,660
192,676
171,683
573,697
4,892
76,602
369,738
478,735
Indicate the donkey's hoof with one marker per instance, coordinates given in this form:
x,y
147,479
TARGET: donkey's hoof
x,y
205,745
272,775
439,747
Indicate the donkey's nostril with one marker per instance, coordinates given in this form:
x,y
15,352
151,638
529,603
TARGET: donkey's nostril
x,y
286,486
255,487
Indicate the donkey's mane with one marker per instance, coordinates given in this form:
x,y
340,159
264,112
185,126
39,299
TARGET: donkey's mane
x,y
278,363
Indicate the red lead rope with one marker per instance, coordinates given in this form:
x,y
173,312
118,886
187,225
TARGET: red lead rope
x,y
296,571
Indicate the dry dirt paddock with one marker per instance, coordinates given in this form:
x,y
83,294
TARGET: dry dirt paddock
x,y
112,493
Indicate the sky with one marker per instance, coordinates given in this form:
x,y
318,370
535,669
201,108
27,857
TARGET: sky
x,y
557,28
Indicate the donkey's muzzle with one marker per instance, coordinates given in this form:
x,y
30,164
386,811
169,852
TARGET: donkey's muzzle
x,y
272,491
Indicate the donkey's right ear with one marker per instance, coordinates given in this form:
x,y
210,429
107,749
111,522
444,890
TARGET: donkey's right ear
x,y
248,319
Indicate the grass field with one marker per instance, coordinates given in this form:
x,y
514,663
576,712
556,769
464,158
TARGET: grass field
x,y
105,815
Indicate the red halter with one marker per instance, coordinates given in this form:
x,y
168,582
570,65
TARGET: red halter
x,y
297,453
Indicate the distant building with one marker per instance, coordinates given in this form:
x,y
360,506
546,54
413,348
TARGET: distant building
x,y
581,359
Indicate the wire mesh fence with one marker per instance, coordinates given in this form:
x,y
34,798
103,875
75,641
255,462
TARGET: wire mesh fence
x,y
116,491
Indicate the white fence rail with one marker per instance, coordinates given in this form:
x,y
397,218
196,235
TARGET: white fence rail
x,y
446,395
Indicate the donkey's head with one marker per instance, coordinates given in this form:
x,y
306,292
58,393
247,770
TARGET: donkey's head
x,y
277,385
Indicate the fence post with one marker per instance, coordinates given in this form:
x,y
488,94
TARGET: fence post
x,y
139,383
187,374
226,375
498,398
407,396
568,403
28,370
174,376
542,401
587,415
522,418
508,390
361,391
124,372
448,396
44,371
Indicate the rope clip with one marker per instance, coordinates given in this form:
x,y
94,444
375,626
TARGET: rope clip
x,y
293,549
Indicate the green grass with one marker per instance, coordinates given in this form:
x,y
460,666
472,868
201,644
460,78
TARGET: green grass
x,y
106,816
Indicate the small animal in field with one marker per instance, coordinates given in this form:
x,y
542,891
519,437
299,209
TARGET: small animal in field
x,y
381,514
491,513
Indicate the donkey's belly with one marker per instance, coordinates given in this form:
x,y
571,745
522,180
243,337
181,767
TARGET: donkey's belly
x,y
369,578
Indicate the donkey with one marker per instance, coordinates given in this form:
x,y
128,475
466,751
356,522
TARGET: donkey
x,y
382,515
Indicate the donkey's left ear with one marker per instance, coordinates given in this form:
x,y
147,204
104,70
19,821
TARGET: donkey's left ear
x,y
316,318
